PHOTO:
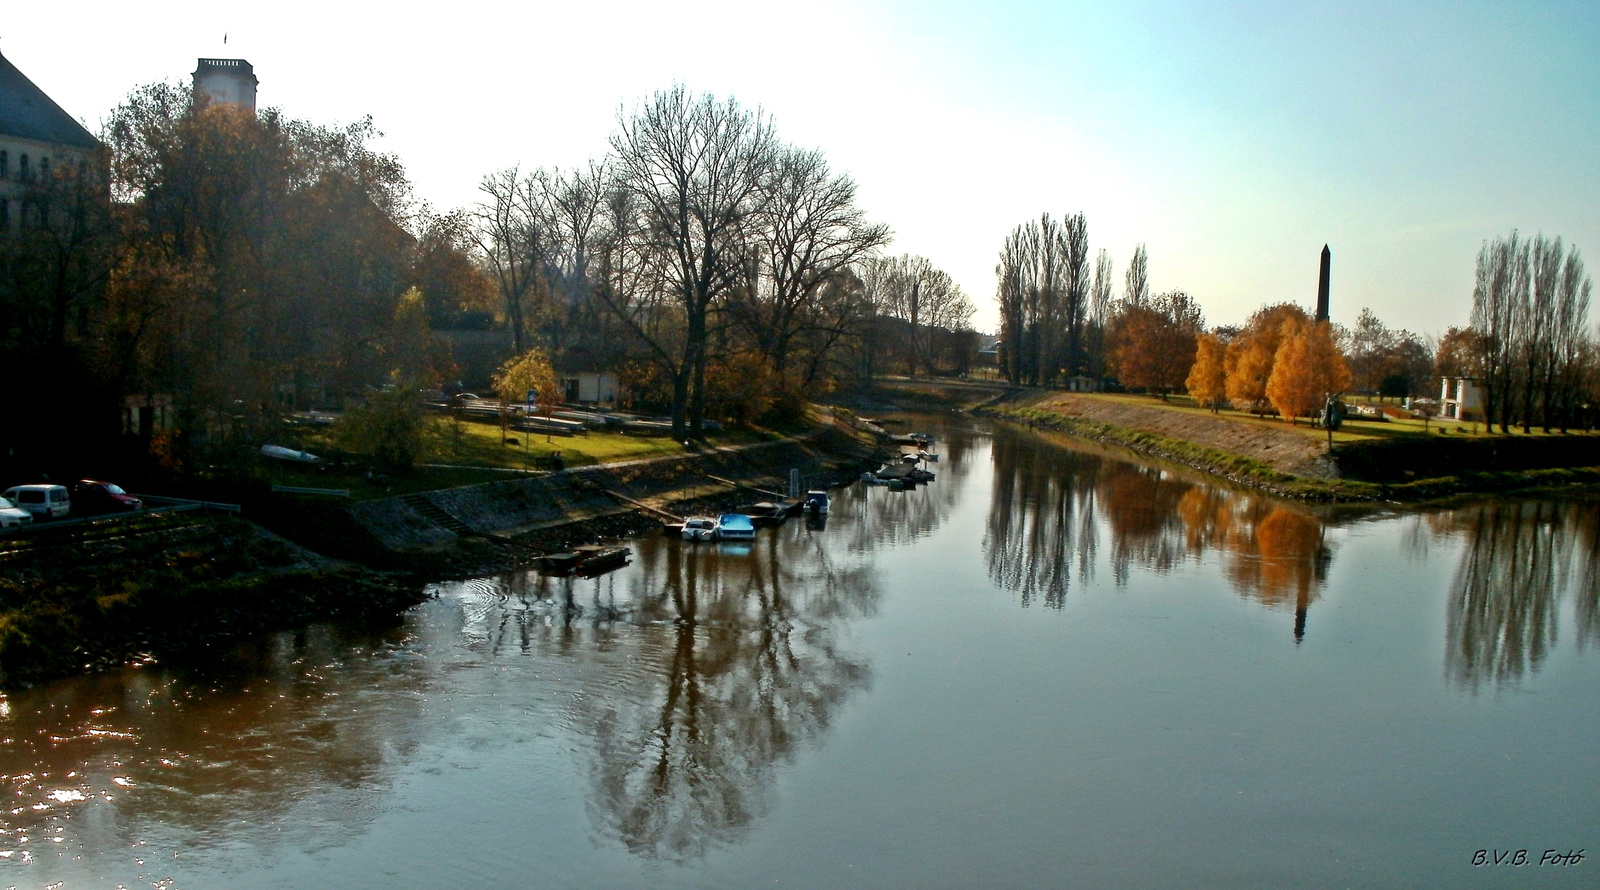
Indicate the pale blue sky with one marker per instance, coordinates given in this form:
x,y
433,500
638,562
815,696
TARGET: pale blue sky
x,y
1233,139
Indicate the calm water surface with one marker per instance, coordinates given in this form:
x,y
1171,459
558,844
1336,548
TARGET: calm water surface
x,y
1047,668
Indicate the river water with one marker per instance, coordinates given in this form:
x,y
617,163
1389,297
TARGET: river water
x,y
1047,668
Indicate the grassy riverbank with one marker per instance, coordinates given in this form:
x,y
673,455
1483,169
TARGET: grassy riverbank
x,y
1368,461
472,453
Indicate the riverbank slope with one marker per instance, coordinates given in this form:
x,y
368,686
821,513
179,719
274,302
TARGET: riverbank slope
x,y
1288,462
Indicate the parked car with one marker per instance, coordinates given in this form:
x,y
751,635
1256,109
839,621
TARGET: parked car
x,y
43,501
11,517
91,497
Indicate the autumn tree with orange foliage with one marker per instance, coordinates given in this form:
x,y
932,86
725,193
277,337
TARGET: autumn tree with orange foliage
x,y
1307,368
1251,354
1208,378
1153,343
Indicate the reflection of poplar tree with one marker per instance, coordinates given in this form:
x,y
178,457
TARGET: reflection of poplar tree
x,y
1041,513
1503,608
1586,553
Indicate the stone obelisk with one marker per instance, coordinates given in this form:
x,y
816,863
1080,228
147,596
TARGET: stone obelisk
x,y
1322,285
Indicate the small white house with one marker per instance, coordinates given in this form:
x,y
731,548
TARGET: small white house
x,y
589,386
1461,398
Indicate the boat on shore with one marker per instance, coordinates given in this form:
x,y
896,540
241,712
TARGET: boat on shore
x,y
595,559
768,513
589,559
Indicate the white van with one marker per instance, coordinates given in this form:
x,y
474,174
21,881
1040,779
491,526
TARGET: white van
x,y
43,501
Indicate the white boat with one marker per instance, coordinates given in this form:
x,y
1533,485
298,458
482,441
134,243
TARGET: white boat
x,y
816,502
700,528
278,452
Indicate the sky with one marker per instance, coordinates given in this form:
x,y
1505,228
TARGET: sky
x,y
1232,139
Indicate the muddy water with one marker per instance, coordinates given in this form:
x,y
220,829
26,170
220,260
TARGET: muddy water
x,y
1047,668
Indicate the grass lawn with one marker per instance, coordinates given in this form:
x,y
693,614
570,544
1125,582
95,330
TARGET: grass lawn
x,y
1353,430
474,453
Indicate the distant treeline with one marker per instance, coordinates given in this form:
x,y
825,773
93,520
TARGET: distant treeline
x,y
1529,344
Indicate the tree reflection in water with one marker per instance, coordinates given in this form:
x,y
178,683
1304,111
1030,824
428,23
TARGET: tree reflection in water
x,y
896,518
1587,556
306,722
1520,558
751,666
1052,503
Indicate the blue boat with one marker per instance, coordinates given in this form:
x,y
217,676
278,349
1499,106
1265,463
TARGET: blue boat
x,y
735,527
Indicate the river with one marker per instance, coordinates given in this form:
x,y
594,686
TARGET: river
x,y
1049,667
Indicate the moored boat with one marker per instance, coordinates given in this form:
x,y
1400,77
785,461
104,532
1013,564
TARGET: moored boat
x,y
735,527
596,558
700,528
816,502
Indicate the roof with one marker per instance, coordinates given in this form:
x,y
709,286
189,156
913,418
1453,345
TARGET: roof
x,y
27,113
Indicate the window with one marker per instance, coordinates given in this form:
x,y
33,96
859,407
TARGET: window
x,y
22,165
5,164
44,168
5,214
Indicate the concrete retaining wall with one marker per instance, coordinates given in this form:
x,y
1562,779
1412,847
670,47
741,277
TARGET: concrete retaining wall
x,y
520,505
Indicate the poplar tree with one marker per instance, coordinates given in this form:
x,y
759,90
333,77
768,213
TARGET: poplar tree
x,y
1208,379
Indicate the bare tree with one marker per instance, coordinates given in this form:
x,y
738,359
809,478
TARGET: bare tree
x,y
1044,298
1529,317
918,300
512,239
695,170
1136,285
1501,287
1571,339
813,233
1099,313
1536,318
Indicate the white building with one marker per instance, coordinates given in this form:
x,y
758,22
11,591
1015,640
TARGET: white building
x,y
1461,398
226,80
589,386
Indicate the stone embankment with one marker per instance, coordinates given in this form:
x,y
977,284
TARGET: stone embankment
x,y
444,532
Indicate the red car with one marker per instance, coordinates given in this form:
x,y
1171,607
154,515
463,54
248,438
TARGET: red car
x,y
92,497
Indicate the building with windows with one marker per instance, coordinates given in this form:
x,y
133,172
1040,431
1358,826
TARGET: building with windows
x,y
1461,398
37,139
232,81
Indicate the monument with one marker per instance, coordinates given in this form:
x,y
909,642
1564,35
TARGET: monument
x,y
1322,285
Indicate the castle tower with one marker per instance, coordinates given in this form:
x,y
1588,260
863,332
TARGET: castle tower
x,y
1322,284
226,80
